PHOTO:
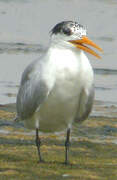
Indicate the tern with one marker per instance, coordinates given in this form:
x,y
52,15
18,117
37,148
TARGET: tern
x,y
58,87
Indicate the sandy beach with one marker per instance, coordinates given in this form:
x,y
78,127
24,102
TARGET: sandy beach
x,y
92,152
24,34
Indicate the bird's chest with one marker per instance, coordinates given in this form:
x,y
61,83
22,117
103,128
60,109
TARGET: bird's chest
x,y
71,72
67,83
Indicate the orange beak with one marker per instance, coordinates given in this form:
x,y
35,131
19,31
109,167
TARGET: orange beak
x,y
80,44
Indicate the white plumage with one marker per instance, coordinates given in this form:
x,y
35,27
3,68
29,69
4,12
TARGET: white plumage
x,y
58,88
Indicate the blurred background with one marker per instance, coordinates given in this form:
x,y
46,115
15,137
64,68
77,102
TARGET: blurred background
x,y
24,33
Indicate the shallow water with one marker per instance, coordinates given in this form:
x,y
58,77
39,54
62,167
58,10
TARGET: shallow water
x,y
24,33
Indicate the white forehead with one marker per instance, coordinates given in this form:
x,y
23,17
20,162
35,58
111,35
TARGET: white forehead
x,y
66,31
78,30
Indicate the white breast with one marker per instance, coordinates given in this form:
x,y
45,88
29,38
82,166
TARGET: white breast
x,y
69,72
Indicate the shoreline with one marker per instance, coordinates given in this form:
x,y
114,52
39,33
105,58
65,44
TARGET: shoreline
x,y
92,152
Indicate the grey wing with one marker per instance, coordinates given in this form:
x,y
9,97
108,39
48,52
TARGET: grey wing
x,y
85,105
33,91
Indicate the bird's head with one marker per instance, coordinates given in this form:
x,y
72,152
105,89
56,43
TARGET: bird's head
x,y
73,33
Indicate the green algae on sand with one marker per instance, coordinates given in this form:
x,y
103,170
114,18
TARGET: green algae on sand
x,y
92,153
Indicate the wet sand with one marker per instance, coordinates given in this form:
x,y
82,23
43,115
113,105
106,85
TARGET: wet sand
x,y
92,152
24,35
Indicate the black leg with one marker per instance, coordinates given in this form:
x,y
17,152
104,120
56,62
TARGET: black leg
x,y
38,144
67,144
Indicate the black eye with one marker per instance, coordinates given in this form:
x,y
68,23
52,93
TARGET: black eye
x,y
67,31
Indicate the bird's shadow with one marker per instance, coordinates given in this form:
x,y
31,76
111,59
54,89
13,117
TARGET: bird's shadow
x,y
69,164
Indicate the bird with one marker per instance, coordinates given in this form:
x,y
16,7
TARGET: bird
x,y
58,88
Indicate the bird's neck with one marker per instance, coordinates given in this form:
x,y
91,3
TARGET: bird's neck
x,y
64,52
